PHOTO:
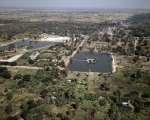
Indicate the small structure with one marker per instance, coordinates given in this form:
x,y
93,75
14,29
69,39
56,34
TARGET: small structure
x,y
53,98
90,73
125,103
68,81
50,38
91,60
95,49
101,98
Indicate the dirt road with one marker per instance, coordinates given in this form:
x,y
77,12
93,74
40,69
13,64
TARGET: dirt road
x,y
26,67
12,59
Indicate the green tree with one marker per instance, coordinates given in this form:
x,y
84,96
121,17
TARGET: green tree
x,y
6,90
18,76
13,63
6,74
64,72
138,74
21,84
8,109
62,63
148,59
78,74
6,63
44,93
135,59
2,69
118,116
24,114
24,106
40,74
12,118
26,78
9,96
60,115
47,69
31,61
77,105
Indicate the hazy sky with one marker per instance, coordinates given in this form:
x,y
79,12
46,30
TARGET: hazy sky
x,y
85,4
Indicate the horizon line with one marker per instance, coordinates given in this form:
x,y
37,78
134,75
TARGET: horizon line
x,y
63,8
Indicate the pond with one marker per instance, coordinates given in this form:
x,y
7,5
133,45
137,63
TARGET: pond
x,y
34,44
102,65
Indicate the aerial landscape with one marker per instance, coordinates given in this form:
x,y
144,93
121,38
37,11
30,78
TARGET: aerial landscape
x,y
75,60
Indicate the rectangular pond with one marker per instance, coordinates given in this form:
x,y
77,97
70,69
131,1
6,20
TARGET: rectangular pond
x,y
34,44
102,65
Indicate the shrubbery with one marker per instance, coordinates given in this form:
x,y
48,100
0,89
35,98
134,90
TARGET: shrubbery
x,y
8,109
26,78
18,76
13,63
4,73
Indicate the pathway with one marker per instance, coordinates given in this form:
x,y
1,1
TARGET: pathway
x,y
12,59
34,56
26,67
132,107
16,113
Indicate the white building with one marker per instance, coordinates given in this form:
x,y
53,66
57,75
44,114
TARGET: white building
x,y
55,39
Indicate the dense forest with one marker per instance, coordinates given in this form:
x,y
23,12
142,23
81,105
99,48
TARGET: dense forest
x,y
140,25
11,28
